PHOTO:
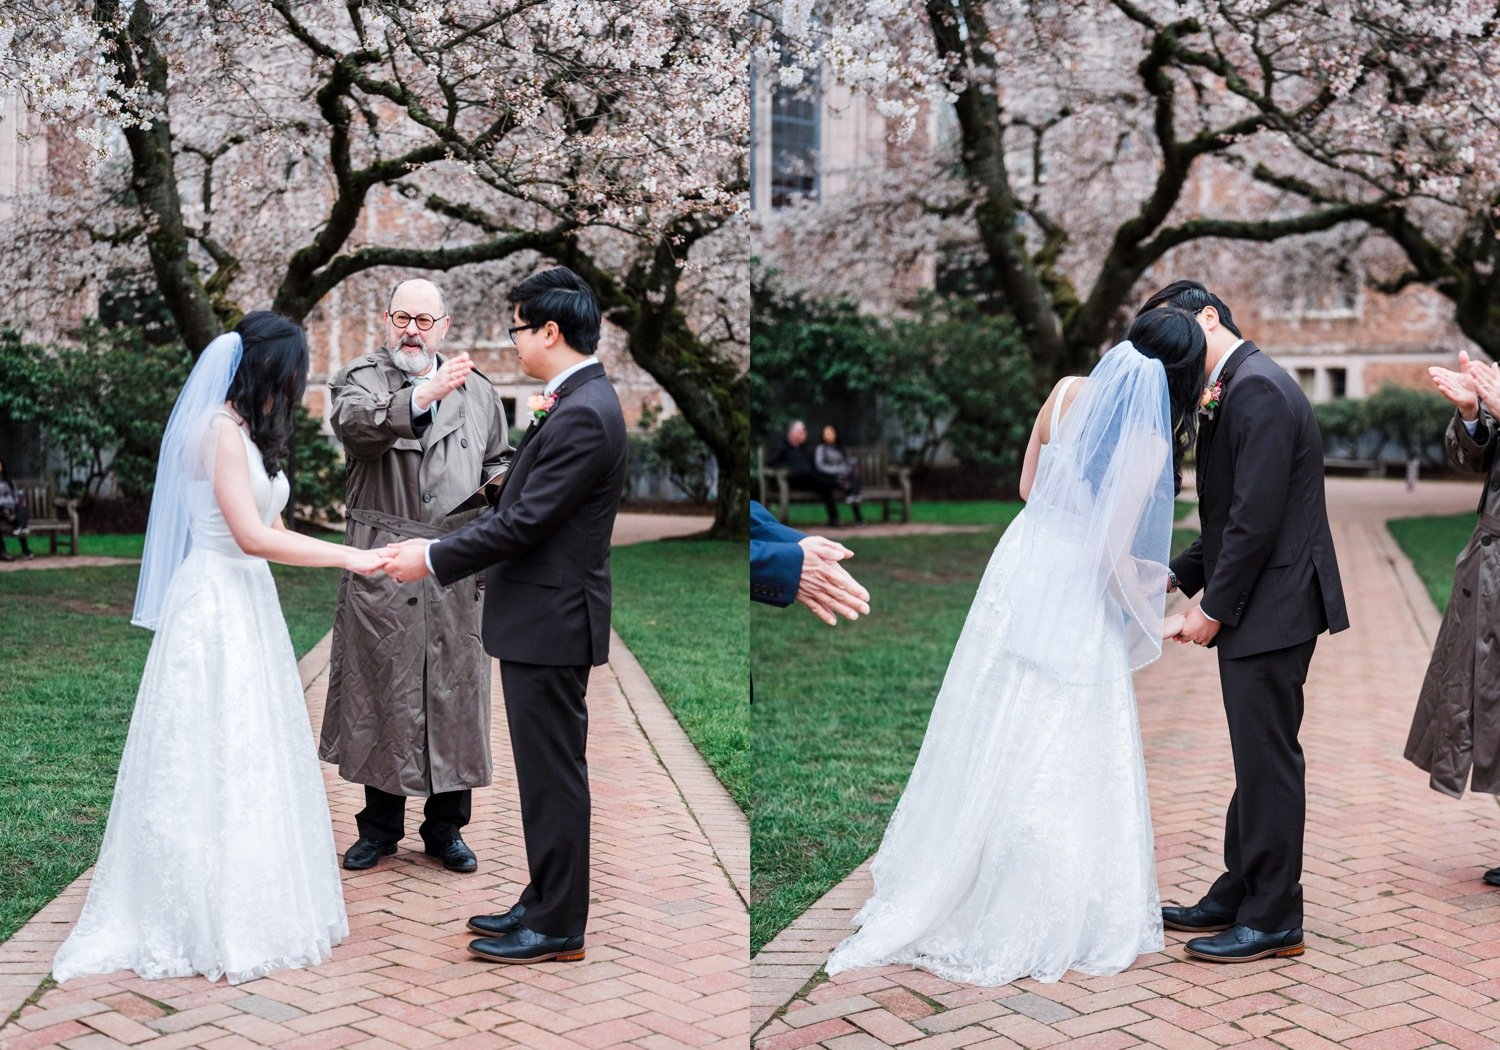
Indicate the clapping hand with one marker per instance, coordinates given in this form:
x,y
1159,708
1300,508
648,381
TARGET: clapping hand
x,y
1485,379
826,587
1460,387
449,377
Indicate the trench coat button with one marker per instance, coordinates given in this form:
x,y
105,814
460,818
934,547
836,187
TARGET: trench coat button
x,y
1486,540
411,601
1467,593
463,442
426,497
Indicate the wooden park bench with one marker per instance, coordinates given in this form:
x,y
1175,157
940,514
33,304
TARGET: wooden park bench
x,y
51,516
879,481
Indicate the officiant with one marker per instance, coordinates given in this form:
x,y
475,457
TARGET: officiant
x,y
408,708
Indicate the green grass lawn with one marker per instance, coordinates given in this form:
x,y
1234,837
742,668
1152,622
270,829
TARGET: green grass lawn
x,y
1433,545
681,607
72,664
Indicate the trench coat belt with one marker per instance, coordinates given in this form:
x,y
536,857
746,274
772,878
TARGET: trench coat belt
x,y
403,527
1490,523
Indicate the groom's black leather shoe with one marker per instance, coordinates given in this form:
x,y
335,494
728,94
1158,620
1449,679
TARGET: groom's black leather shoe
x,y
498,925
527,946
1203,917
1242,944
454,855
365,852
1492,877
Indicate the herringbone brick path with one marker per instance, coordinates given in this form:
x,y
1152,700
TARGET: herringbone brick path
x,y
1403,940
668,934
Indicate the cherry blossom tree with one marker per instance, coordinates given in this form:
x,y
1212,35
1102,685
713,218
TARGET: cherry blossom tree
x,y
1084,146
268,151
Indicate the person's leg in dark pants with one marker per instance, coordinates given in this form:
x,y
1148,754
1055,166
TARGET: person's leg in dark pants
x,y
1263,702
383,819
548,719
446,813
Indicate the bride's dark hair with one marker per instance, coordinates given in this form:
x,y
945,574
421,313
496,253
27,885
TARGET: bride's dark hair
x,y
270,381
1174,337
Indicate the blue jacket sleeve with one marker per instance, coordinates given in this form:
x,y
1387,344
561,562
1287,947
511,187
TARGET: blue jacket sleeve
x,y
775,559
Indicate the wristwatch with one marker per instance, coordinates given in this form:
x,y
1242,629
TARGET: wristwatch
x,y
1172,584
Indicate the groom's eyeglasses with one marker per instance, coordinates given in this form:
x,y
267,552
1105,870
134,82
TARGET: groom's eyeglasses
x,y
424,321
513,329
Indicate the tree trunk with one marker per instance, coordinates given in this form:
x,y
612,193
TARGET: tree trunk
x,y
153,180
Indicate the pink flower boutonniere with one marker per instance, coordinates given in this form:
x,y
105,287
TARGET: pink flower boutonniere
x,y
540,405
1209,402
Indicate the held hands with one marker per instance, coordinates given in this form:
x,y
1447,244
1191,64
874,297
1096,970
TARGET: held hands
x,y
365,563
1195,627
826,586
451,376
405,561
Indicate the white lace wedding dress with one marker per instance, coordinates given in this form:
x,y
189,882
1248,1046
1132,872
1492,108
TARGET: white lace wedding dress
x,y
218,858
1022,844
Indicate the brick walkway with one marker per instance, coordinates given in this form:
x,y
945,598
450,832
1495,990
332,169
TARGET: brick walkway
x,y
667,942
1403,938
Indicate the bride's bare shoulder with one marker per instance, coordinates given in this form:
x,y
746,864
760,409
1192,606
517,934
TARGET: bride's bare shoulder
x,y
1067,389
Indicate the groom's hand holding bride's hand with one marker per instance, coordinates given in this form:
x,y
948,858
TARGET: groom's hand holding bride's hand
x,y
1197,628
826,587
406,561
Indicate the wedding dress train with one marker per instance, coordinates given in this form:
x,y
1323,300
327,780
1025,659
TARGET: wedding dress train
x,y
1022,845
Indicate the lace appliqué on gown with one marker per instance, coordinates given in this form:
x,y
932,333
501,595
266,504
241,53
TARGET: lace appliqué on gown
x,y
1022,844
218,857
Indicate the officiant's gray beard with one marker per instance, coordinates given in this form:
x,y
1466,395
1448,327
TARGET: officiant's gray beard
x,y
413,360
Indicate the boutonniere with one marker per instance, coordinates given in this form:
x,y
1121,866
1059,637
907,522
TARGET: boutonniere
x,y
1209,402
540,405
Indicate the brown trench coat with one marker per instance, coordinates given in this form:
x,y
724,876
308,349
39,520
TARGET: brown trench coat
x,y
408,707
1456,728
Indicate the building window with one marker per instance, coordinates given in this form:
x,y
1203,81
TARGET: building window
x,y
1338,382
795,130
1307,379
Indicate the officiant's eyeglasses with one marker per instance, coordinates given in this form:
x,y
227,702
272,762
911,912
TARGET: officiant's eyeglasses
x,y
424,321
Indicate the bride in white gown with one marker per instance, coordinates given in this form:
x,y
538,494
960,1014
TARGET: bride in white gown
x,y
1022,844
218,857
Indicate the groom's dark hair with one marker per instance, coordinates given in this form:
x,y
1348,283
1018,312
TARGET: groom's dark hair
x,y
1192,297
559,295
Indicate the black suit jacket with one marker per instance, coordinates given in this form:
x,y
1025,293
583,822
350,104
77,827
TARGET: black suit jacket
x,y
1265,558
545,546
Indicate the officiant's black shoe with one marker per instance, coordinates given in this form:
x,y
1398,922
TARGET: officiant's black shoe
x,y
1492,877
1242,944
498,925
1203,917
365,852
527,946
454,855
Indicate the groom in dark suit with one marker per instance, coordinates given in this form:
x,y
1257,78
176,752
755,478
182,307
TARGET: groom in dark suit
x,y
545,553
1265,563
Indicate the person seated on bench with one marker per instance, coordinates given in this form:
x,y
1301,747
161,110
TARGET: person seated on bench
x,y
838,466
794,455
15,513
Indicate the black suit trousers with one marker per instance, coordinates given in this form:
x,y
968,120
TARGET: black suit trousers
x,y
549,724
384,816
1263,830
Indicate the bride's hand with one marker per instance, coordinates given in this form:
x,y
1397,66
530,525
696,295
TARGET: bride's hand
x,y
366,563
1171,625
